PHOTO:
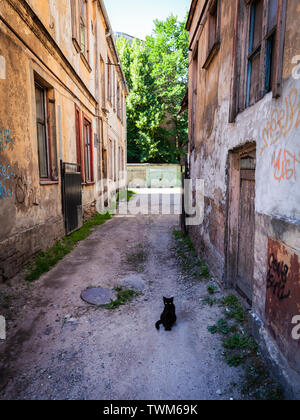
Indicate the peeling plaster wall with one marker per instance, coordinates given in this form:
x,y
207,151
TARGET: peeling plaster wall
x,y
31,216
274,125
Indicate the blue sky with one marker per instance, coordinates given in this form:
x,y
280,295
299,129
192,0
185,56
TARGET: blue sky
x,y
135,17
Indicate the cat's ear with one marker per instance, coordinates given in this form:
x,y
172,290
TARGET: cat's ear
x,y
172,299
165,299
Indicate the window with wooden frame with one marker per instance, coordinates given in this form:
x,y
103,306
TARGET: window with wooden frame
x,y
255,51
79,139
46,133
122,108
114,89
109,79
102,83
271,44
118,101
79,13
194,96
88,150
214,13
258,52
83,25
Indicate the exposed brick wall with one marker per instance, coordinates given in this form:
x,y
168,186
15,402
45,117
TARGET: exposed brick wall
x,y
18,249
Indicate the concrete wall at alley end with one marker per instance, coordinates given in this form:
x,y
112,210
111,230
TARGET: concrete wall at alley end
x,y
85,115
267,133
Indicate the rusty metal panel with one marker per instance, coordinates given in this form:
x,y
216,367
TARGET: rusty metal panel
x,y
283,298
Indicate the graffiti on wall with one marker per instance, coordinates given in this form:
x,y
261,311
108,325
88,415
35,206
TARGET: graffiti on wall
x,y
281,123
285,165
5,175
5,139
283,297
25,195
277,278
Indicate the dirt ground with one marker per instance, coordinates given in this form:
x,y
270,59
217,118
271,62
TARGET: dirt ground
x,y
59,347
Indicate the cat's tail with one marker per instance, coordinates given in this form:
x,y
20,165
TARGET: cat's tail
x,y
157,325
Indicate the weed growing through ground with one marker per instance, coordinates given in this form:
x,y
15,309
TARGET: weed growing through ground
x,y
123,296
188,259
212,289
48,259
239,347
210,301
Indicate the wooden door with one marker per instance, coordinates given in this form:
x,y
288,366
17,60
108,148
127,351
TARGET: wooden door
x,y
246,231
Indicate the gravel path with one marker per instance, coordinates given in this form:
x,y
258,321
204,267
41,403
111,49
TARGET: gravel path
x,y
58,347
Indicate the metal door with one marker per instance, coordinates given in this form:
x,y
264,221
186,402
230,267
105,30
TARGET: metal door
x,y
72,196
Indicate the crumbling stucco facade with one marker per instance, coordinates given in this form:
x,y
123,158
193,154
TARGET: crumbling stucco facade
x,y
244,128
62,100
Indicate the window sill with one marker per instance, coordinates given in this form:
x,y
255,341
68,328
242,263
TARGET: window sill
x,y
85,62
48,182
88,184
211,55
76,45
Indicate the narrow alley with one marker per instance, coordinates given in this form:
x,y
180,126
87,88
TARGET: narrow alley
x,y
149,154
59,347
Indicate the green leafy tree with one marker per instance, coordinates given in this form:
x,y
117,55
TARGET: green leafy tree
x,y
156,72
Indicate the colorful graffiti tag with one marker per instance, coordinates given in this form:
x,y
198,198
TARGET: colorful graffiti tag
x,y
285,165
282,121
5,175
5,139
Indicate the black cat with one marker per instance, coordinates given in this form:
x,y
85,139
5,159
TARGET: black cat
x,y
168,317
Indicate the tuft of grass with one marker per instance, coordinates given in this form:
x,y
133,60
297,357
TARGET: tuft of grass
x,y
240,342
188,258
123,296
258,384
212,289
44,261
125,195
222,327
235,359
240,348
234,309
210,301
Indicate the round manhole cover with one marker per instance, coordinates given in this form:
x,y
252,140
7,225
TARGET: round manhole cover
x,y
98,296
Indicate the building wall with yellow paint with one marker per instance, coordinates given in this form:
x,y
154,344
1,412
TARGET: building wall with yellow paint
x,y
37,47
